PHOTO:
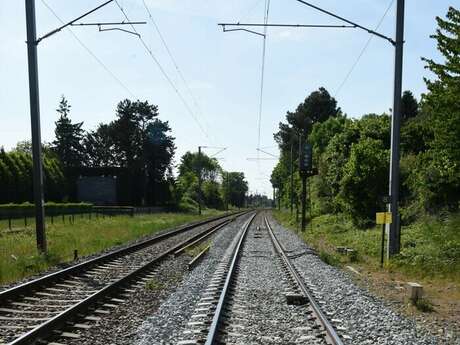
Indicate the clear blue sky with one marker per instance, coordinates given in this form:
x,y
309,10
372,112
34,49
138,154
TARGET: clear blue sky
x,y
222,69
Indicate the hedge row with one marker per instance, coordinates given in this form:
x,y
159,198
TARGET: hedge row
x,y
51,208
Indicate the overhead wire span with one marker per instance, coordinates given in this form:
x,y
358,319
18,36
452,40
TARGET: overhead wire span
x,y
171,56
347,76
165,75
264,48
99,61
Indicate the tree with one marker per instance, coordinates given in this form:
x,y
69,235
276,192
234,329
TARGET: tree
x,y
16,177
193,165
409,106
68,143
159,149
442,103
129,131
142,144
99,148
234,188
361,187
317,108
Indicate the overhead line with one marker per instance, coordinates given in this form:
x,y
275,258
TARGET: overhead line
x,y
362,51
99,61
172,58
266,13
166,76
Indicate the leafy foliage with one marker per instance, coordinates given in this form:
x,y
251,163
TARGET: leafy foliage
x,y
363,183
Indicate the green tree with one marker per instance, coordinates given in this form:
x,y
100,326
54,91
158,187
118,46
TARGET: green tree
x,y
138,141
190,168
234,188
409,106
317,108
99,148
68,143
129,131
442,103
364,180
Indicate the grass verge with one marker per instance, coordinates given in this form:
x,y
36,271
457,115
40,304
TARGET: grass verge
x,y
19,257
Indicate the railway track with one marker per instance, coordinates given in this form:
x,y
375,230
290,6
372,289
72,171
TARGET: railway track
x,y
257,296
74,297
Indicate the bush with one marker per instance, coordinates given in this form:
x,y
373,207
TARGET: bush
x,y
187,204
364,181
329,258
51,208
431,246
424,305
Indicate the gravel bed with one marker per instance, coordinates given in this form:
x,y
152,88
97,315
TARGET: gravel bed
x,y
88,282
169,320
120,327
259,313
366,319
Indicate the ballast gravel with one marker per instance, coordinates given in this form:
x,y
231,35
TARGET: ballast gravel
x,y
364,318
165,326
259,313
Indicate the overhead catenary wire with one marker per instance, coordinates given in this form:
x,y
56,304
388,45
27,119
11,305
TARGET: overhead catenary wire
x,y
165,74
262,77
363,50
95,57
171,56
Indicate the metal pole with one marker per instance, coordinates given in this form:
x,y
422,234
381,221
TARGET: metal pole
x,y
278,196
304,201
292,178
394,238
382,250
35,124
228,191
199,180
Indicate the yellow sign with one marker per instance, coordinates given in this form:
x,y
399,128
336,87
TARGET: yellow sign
x,y
383,218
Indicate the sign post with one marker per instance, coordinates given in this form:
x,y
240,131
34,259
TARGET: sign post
x,y
383,218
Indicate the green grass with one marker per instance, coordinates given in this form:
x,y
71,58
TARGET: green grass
x,y
195,250
154,285
430,247
19,257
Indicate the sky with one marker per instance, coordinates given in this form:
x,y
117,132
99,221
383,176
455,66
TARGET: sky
x,y
222,71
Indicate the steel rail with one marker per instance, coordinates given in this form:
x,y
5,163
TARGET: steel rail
x,y
198,240
45,329
330,331
38,283
214,328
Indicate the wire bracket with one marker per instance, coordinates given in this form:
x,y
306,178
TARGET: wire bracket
x,y
224,29
101,26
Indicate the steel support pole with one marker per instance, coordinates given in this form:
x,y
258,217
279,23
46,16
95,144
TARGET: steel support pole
x,y
291,192
394,238
228,192
35,124
199,180
304,202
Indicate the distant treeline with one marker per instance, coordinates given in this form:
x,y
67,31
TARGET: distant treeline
x,y
137,148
